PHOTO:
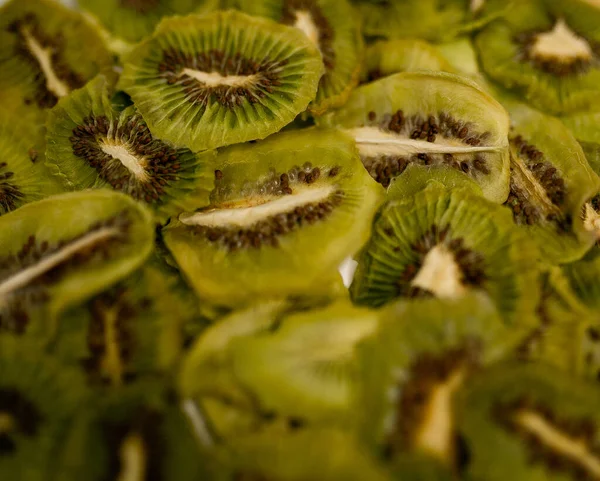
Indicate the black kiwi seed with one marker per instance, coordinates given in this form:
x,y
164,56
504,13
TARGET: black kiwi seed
x,y
9,192
28,26
199,93
22,412
160,160
326,32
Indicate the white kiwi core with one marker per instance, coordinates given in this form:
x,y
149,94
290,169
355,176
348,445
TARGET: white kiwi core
x,y
133,459
591,220
561,44
440,274
215,79
132,162
305,23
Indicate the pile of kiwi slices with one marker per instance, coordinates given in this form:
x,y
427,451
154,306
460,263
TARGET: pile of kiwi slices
x,y
300,240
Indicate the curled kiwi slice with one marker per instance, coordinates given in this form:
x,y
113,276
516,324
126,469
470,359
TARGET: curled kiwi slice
x,y
46,51
448,243
284,214
551,181
38,401
218,79
59,251
92,145
334,27
306,367
428,118
547,51
23,176
529,422
424,353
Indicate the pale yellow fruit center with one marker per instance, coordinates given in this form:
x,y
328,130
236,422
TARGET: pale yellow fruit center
x,y
111,363
591,220
561,43
215,79
133,459
476,5
305,23
440,274
133,163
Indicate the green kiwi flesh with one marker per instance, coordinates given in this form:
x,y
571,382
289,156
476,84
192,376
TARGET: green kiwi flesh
x,y
59,251
223,78
448,243
284,214
92,145
429,118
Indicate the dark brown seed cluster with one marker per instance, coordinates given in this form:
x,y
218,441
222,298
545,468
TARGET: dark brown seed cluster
x,y
16,310
556,65
23,413
267,232
10,195
267,76
28,25
384,168
427,372
140,6
326,31
125,308
580,430
471,263
160,161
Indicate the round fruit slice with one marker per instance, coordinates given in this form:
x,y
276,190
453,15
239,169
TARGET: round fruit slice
x,y
38,400
284,214
424,353
334,27
91,145
60,251
429,118
447,243
46,51
214,80
547,51
530,422
550,183
23,176
306,368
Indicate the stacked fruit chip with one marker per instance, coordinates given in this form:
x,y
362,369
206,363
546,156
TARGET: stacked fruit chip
x,y
181,180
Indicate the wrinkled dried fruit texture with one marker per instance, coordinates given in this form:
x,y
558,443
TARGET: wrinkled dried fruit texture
x,y
27,276
54,76
268,230
10,193
383,168
17,414
127,156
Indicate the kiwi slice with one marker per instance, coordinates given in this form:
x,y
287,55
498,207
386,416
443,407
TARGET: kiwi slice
x,y
306,367
425,352
132,20
218,79
23,175
38,399
448,243
550,183
334,27
47,50
92,145
547,51
387,57
428,118
284,214
61,250
529,422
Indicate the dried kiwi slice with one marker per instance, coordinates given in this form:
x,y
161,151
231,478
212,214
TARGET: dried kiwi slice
x,y
306,367
61,250
529,422
448,243
550,183
23,176
46,51
334,27
92,145
547,51
424,353
38,400
218,79
429,118
284,214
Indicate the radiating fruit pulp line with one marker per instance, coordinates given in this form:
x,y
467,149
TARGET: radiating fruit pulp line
x,y
44,58
561,43
133,459
25,276
120,152
246,216
214,79
550,435
440,274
